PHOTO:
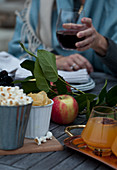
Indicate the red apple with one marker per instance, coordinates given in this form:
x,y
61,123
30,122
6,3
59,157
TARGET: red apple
x,y
65,109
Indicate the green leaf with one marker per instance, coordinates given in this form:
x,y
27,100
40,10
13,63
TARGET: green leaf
x,y
51,95
25,80
102,95
29,65
92,104
111,96
61,86
82,100
27,50
41,82
88,109
30,86
47,62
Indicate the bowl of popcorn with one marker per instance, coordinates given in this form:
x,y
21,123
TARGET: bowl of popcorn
x,y
39,120
15,108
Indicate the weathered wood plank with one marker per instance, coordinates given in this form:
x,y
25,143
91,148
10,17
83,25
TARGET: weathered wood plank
x,y
52,160
1,156
10,159
71,162
31,160
89,164
53,125
104,167
6,167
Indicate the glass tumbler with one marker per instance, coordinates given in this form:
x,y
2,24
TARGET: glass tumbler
x,y
101,130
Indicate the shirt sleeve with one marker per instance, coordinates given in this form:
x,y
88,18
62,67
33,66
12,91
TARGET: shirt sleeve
x,y
110,59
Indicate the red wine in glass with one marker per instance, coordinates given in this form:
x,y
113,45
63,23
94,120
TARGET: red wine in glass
x,y
68,38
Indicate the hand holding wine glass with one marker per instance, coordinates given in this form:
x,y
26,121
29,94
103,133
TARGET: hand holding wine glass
x,y
92,38
67,37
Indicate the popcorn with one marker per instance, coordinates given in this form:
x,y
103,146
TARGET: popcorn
x,y
42,139
37,140
13,96
49,135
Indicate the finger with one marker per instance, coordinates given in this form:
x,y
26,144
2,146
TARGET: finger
x,y
69,65
66,67
89,67
72,62
72,26
76,67
87,21
84,48
62,64
85,42
79,61
85,33
84,63
73,66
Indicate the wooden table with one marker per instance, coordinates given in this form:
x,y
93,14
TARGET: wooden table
x,y
67,159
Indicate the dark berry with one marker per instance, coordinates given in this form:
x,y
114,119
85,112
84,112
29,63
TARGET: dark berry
x,y
5,80
3,73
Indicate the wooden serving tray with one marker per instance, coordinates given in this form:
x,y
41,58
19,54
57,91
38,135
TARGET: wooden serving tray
x,y
77,144
31,147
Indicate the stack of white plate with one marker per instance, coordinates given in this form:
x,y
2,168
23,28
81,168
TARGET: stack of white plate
x,y
79,79
84,86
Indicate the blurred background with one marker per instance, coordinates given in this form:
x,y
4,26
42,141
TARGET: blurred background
x,y
7,20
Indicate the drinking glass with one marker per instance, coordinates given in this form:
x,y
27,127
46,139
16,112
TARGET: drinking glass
x,y
67,37
101,130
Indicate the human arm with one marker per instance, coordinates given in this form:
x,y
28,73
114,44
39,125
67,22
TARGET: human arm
x,y
104,48
110,59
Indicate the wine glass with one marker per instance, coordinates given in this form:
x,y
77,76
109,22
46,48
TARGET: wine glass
x,y
67,37
101,130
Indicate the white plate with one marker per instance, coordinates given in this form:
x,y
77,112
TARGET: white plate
x,y
79,76
85,86
8,62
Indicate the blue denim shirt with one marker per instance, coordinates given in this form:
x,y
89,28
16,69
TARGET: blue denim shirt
x,y
104,18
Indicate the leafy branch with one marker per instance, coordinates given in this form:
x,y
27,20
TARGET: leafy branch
x,y
45,77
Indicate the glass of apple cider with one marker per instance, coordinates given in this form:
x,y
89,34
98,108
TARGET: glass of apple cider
x,y
101,130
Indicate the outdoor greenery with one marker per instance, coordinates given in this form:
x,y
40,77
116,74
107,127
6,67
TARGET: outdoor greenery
x,y
45,77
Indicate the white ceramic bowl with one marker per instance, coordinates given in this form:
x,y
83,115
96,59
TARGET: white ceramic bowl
x,y
39,121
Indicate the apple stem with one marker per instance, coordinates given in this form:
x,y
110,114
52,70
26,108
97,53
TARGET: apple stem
x,y
71,86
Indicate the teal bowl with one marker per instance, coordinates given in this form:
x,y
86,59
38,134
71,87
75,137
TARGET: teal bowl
x,y
13,124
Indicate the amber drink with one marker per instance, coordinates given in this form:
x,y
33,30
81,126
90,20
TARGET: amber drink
x,y
101,130
114,147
